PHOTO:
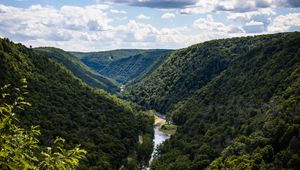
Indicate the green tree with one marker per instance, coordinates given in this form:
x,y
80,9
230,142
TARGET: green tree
x,y
19,147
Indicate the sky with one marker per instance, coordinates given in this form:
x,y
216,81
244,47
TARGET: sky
x,y
98,25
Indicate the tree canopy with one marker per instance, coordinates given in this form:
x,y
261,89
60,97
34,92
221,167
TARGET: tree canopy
x,y
20,148
235,101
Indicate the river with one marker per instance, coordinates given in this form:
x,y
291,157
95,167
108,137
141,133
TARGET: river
x,y
159,137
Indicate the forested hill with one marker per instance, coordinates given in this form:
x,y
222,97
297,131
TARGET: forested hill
x,y
189,69
62,105
236,103
124,66
79,69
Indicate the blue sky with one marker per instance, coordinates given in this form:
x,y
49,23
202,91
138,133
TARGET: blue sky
x,y
96,25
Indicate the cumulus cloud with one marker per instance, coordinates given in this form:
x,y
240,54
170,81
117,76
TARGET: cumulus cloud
x,y
259,14
168,15
134,31
142,16
262,16
47,24
43,19
86,28
207,29
236,5
93,28
114,11
144,35
209,26
284,23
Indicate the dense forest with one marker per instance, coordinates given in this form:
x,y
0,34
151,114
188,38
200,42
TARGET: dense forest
x,y
79,69
20,148
235,101
124,66
187,70
62,105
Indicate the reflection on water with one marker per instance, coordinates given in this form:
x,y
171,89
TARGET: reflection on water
x,y
159,137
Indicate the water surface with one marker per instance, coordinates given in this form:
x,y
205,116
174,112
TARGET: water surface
x,y
159,138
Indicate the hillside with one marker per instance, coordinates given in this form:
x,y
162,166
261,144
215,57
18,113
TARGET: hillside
x,y
187,70
235,101
79,69
62,105
124,66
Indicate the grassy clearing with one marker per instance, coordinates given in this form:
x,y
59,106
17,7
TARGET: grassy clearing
x,y
168,129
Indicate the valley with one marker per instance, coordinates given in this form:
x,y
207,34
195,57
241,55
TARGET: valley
x,y
124,66
63,105
221,104
231,101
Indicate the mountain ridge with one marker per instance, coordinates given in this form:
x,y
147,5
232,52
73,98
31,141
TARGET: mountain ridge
x,y
63,105
246,116
194,73
124,65
79,69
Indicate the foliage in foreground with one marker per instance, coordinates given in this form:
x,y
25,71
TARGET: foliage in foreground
x,y
20,148
62,105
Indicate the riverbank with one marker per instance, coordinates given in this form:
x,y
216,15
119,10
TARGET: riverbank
x,y
164,126
158,121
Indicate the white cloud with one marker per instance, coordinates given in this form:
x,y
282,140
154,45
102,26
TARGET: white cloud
x,y
254,23
135,31
263,16
83,28
168,15
93,28
252,15
202,6
142,16
209,29
114,11
209,26
283,23
38,21
44,23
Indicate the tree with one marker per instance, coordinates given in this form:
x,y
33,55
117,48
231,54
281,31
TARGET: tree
x,y
19,147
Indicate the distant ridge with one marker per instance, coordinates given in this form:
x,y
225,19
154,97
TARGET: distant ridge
x,y
79,69
125,65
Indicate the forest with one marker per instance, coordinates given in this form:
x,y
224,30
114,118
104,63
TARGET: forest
x,y
124,66
235,103
79,69
64,106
